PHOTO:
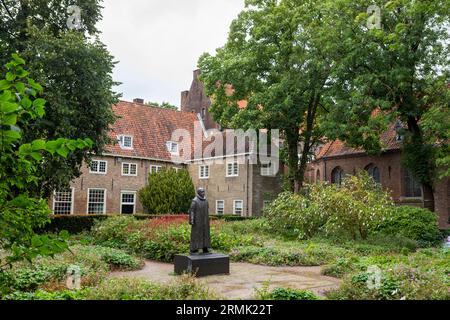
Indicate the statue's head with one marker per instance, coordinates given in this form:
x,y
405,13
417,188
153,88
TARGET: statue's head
x,y
201,193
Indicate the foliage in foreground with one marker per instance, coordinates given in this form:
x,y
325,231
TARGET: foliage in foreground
x,y
22,208
183,288
50,273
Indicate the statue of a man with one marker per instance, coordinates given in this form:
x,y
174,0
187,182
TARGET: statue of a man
x,y
199,220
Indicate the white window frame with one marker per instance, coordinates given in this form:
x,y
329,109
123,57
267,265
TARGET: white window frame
x,y
217,207
129,169
72,201
176,169
204,176
234,207
121,139
127,203
98,167
267,171
104,201
158,168
170,145
235,164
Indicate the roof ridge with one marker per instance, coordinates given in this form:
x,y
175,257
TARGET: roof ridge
x,y
153,107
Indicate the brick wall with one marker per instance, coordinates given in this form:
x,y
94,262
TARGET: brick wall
x,y
392,179
220,187
114,183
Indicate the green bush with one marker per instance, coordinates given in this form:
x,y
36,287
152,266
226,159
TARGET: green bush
x,y
355,209
183,288
73,223
264,293
291,294
295,216
168,192
401,282
413,223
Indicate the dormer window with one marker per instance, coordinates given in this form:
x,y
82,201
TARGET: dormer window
x,y
126,142
172,147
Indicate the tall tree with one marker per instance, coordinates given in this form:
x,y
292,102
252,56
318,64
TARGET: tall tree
x,y
276,62
397,70
75,69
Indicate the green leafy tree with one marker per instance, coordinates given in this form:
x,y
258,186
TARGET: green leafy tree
x,y
168,192
163,105
398,71
21,211
275,60
75,69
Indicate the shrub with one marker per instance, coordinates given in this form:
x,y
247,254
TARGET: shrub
x,y
291,294
401,282
414,223
294,215
283,294
168,192
183,288
357,208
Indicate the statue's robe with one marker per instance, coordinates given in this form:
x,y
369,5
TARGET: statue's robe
x,y
199,220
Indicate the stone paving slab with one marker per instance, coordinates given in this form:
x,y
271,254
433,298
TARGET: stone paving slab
x,y
244,278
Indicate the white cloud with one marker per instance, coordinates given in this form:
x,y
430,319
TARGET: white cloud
x,y
158,42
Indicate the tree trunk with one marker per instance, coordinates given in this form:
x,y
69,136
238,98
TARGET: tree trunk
x,y
292,137
422,163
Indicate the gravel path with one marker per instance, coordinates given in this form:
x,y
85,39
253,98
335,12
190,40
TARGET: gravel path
x,y
244,278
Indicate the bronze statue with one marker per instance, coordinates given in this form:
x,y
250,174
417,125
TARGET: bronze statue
x,y
199,220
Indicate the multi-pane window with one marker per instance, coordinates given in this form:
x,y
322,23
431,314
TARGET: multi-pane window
x,y
99,167
172,147
204,172
128,202
374,172
129,169
232,169
267,170
413,189
126,142
96,201
337,176
220,207
238,208
62,202
155,169
266,203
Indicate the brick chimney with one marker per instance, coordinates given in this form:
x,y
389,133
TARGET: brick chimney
x,y
138,100
184,98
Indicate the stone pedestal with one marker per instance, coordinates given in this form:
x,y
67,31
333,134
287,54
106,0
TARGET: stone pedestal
x,y
202,265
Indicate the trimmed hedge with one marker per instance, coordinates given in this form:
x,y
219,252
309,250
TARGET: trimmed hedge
x,y
73,223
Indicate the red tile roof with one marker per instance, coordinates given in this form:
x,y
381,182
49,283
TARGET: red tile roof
x,y
151,128
338,148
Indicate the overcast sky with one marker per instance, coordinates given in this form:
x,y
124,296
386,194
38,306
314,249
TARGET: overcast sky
x,y
158,42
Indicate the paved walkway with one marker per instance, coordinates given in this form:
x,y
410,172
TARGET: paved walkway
x,y
244,278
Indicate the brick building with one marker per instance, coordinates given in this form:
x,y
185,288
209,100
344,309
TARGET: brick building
x,y
235,185
334,160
